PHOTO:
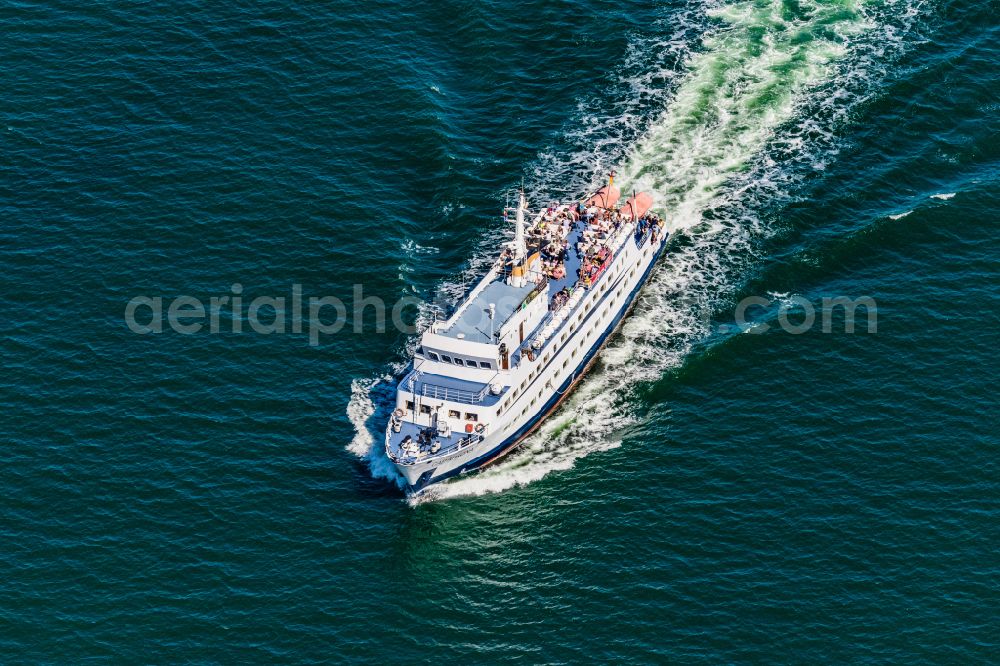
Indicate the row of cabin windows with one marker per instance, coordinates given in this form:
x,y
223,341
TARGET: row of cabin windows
x,y
534,400
468,362
548,384
452,413
513,396
455,414
517,391
579,318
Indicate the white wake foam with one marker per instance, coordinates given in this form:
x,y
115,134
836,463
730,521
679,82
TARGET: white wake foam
x,y
720,118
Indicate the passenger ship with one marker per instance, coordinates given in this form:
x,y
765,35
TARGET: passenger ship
x,y
485,379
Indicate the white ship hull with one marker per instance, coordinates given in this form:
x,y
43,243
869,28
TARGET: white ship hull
x,y
523,388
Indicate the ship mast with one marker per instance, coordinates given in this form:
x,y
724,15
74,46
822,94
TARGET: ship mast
x,y
519,249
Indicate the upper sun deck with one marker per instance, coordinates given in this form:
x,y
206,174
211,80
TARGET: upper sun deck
x,y
566,250
473,322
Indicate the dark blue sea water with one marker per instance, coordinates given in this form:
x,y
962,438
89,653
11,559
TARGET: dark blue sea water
x,y
710,494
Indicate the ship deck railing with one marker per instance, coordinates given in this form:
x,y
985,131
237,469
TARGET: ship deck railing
x,y
454,389
453,443
453,394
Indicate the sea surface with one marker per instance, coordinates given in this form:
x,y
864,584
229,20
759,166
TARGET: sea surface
x,y
718,490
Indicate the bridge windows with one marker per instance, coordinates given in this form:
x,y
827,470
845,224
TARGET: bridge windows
x,y
409,405
454,414
457,360
425,409
469,416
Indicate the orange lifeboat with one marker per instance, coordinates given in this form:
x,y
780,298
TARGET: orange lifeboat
x,y
637,206
606,197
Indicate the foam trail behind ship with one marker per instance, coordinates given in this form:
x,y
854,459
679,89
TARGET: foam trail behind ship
x,y
757,106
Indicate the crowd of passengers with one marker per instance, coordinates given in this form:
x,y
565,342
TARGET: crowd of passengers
x,y
550,238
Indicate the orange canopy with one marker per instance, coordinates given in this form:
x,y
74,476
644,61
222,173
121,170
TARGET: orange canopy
x,y
606,197
637,206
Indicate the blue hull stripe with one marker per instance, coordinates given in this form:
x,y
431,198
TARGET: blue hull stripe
x,y
559,395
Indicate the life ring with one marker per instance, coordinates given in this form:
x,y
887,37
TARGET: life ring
x,y
398,413
480,428
468,427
